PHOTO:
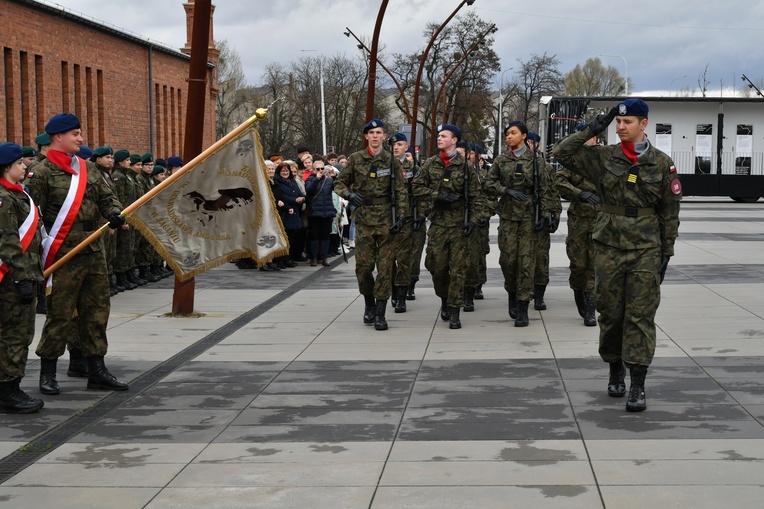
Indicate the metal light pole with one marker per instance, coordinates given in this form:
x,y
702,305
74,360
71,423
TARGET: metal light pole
x,y
672,81
373,62
501,103
415,107
626,76
323,104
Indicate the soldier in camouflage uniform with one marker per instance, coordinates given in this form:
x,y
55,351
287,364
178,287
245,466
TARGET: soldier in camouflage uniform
x,y
103,157
633,238
579,245
450,189
418,232
366,183
402,241
79,291
125,185
43,142
20,273
144,251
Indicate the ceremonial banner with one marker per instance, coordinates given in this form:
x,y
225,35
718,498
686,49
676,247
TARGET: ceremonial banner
x,y
222,209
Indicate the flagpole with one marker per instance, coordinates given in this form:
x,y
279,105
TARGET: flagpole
x,y
259,115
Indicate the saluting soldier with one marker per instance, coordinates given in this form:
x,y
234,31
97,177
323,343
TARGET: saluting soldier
x,y
519,180
79,290
579,245
367,182
447,185
633,238
20,273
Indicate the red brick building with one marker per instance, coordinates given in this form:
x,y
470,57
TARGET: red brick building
x,y
127,91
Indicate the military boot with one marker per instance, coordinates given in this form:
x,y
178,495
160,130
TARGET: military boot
x,y
146,275
512,304
380,323
469,299
132,278
479,292
453,319
445,311
48,383
124,283
15,401
400,302
369,311
522,314
78,366
410,295
616,385
578,295
589,319
42,302
112,286
637,401
100,378
538,297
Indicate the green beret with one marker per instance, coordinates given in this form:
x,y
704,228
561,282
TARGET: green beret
x,y
42,139
103,151
121,155
27,151
135,158
148,157
158,168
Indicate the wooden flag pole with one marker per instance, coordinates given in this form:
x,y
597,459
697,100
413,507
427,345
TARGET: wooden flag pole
x,y
259,115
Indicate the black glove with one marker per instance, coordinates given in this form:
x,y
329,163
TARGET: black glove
x,y
468,228
355,199
554,223
483,222
27,290
540,224
516,195
418,224
589,197
599,124
398,225
115,220
447,198
663,266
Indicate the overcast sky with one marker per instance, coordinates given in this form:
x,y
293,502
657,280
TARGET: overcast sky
x,y
666,44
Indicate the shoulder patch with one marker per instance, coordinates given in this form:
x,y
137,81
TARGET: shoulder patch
x,y
672,169
676,187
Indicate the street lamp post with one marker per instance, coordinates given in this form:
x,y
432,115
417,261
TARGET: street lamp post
x,y
323,103
672,81
373,62
626,75
501,103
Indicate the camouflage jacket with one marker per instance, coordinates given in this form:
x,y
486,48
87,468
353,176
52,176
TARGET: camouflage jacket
x,y
511,172
435,177
571,185
648,190
125,184
369,175
14,209
49,187
144,183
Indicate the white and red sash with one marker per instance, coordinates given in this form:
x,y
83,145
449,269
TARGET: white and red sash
x,y
52,242
26,233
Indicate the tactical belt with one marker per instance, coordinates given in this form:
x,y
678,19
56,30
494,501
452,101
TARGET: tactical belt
x,y
628,211
450,206
85,226
377,201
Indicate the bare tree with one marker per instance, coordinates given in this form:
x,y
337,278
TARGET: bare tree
x,y
703,81
537,77
231,107
594,79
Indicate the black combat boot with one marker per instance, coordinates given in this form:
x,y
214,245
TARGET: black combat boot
x,y
112,286
445,311
469,299
134,279
479,293
167,271
538,297
589,319
380,323
15,401
124,283
369,311
522,314
48,383
616,385
453,319
78,366
637,401
100,378
512,305
42,302
410,295
578,295
400,301
145,274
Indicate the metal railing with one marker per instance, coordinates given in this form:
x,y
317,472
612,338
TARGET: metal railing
x,y
691,162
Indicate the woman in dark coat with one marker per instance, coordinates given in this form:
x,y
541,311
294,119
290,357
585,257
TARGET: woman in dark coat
x,y
321,213
291,198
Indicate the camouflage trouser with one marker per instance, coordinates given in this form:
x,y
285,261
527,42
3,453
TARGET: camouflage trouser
x,y
447,262
80,286
374,248
16,332
144,251
402,254
477,248
580,248
125,259
627,296
418,239
110,249
517,256
543,244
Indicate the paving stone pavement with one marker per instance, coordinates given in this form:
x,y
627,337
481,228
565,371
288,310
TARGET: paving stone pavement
x,y
279,397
